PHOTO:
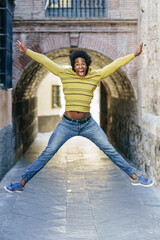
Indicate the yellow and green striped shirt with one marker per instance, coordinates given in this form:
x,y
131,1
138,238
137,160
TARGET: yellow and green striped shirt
x,y
78,91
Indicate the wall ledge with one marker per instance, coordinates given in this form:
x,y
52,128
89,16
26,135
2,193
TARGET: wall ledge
x,y
151,123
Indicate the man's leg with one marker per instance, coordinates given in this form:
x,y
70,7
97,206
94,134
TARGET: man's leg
x,y
57,139
62,133
93,132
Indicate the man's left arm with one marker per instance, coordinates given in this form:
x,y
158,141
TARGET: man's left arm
x,y
112,67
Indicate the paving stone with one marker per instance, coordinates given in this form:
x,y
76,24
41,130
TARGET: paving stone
x,y
79,194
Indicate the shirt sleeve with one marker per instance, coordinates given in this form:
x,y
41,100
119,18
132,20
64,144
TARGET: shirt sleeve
x,y
112,67
48,63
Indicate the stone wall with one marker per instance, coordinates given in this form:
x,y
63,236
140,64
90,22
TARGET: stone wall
x,y
7,141
149,147
122,114
149,70
140,139
146,152
7,147
25,123
148,141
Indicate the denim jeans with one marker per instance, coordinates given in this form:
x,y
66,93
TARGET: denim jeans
x,y
67,129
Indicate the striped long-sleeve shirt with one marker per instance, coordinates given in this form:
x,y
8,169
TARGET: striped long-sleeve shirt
x,y
78,91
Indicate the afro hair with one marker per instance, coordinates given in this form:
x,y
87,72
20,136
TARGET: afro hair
x,y
82,54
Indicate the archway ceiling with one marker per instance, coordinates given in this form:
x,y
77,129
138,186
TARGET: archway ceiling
x,y
118,83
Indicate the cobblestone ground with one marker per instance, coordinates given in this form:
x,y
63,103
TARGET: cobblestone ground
x,y
80,194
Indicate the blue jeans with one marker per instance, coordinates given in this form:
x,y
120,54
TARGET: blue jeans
x,y
67,129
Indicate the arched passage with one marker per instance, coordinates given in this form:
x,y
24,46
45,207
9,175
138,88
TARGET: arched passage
x,y
116,91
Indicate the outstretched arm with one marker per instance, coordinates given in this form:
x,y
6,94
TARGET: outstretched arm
x,y
112,67
49,64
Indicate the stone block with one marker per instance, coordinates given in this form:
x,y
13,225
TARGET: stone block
x,y
7,154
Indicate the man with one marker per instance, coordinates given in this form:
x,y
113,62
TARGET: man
x,y
79,83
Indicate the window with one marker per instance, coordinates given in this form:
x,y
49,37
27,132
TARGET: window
x,y
76,8
6,15
56,96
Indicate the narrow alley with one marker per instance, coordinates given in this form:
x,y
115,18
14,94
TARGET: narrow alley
x,y
80,194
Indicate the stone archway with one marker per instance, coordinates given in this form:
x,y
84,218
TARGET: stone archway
x,y
117,88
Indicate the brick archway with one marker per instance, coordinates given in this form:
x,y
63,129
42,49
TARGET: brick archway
x,y
54,43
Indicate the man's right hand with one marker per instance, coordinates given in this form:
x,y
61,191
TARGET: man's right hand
x,y
20,46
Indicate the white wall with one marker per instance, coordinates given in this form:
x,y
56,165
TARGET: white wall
x,y
44,96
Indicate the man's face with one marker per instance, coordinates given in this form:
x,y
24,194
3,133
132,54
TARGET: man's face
x,y
80,67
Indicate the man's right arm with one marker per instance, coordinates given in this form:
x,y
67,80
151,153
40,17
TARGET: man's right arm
x,y
49,64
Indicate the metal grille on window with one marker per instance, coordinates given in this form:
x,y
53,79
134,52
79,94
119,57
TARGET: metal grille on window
x,y
56,96
76,8
6,15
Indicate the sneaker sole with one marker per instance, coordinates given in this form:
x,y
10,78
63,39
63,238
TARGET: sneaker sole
x,y
12,191
140,184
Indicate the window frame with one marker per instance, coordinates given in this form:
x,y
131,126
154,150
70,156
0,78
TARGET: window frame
x,y
56,96
76,8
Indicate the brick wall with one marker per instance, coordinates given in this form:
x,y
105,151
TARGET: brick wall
x,y
122,9
117,9
116,38
30,9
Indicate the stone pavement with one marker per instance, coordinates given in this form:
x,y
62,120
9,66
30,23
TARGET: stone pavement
x,y
78,195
